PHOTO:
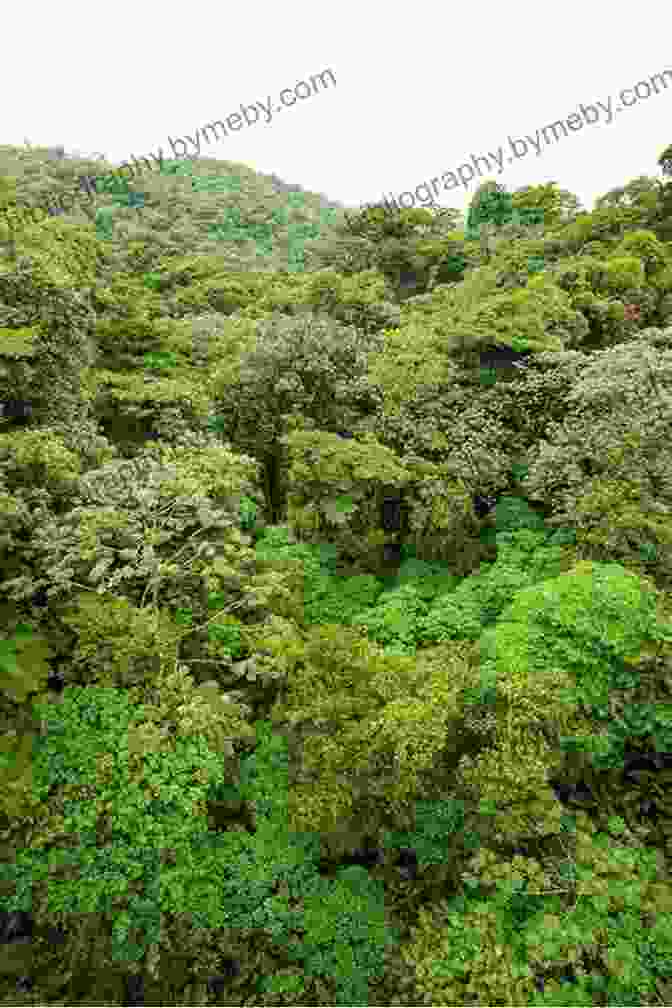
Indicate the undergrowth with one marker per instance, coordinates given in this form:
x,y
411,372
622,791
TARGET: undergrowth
x,y
602,913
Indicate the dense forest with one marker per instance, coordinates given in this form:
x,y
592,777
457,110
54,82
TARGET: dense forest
x,y
336,592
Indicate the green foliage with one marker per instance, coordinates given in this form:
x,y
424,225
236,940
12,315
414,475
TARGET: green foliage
x,y
613,513
346,933
226,633
8,655
487,376
378,222
151,797
537,317
232,226
160,361
23,671
491,204
645,246
463,965
94,728
23,666
152,280
586,621
435,823
118,188
513,513
519,470
428,579
248,512
431,708
492,947
393,621
524,558
623,273
404,246
327,597
544,204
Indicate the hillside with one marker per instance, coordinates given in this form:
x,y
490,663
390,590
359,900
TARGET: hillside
x,y
336,593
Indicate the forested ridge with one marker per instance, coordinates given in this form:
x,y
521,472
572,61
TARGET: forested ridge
x,y
335,592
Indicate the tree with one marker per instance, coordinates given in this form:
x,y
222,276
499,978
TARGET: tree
x,y
604,467
308,365
490,207
494,210
410,247
639,193
556,205
639,203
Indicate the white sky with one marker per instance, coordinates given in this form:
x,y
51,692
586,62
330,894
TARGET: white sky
x,y
418,90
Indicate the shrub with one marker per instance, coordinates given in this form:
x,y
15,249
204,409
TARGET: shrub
x,y
143,848
524,558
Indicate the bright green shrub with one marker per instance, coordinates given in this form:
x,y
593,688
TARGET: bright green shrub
x,y
149,796
559,648
393,621
523,559
428,579
346,933
337,599
327,597
98,730
390,617
587,618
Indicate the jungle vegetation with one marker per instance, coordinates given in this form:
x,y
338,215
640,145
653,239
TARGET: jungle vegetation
x,y
336,598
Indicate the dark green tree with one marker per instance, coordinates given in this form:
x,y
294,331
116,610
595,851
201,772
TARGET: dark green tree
x,y
490,204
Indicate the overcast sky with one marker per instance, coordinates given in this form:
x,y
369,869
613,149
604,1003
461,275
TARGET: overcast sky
x,y
418,91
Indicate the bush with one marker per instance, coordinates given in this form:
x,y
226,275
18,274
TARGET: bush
x,y
148,804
